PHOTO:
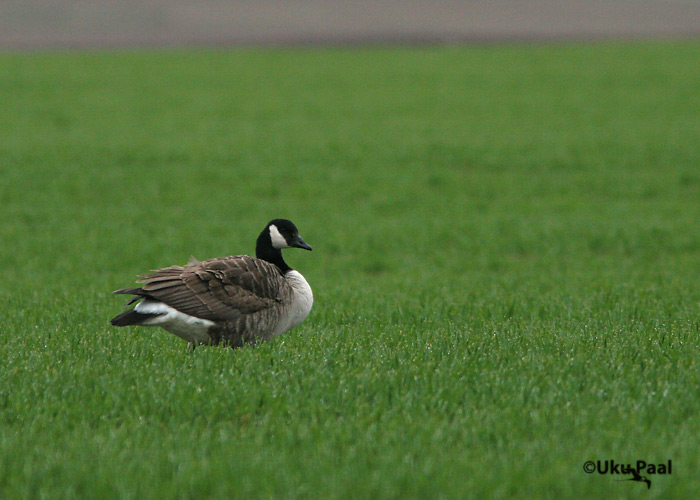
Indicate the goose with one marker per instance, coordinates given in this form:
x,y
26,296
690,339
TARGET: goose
x,y
231,300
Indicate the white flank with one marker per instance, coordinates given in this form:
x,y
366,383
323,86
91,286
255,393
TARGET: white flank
x,y
183,325
278,240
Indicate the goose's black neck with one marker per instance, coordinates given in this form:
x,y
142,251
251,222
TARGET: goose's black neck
x,y
265,251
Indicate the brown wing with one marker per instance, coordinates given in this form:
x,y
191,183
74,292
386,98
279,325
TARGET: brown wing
x,y
217,289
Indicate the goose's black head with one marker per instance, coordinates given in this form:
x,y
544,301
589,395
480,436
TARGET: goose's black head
x,y
278,234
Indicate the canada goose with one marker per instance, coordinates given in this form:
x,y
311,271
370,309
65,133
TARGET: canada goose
x,y
234,300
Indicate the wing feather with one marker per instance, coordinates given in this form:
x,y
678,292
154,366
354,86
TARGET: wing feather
x,y
223,289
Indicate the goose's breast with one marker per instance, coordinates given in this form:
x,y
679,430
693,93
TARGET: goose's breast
x,y
301,301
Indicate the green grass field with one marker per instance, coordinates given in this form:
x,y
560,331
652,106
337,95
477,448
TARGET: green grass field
x,y
506,264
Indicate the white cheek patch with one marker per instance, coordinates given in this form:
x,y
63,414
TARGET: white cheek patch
x,y
278,240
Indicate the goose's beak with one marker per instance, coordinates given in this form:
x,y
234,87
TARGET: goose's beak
x,y
299,243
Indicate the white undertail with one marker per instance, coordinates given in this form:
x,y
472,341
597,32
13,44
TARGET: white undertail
x,y
183,325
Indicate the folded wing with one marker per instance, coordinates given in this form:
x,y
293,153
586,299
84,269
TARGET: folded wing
x,y
221,289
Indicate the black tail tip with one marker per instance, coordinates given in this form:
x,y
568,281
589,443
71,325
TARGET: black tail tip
x,y
130,317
